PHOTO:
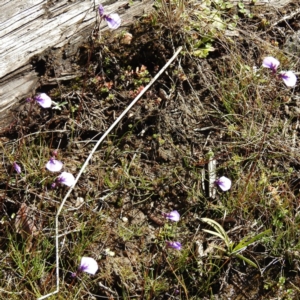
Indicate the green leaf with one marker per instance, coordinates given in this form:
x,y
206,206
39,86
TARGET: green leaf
x,y
218,23
219,229
246,241
201,53
214,233
247,260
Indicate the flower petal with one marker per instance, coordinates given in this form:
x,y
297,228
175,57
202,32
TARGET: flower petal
x,y
173,216
113,21
17,168
66,178
88,265
289,78
43,100
54,165
174,245
223,183
271,63
101,10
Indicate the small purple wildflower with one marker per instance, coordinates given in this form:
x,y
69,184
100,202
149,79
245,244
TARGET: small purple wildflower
x,y
54,165
174,245
113,20
88,265
17,168
271,63
66,179
173,216
289,78
73,274
43,100
101,10
223,183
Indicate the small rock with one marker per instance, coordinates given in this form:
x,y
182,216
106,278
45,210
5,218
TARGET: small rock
x,y
79,201
126,38
124,219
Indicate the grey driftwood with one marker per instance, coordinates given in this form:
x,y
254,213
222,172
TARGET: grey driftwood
x,y
29,27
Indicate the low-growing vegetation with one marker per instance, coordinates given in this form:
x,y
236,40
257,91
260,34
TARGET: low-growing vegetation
x,y
193,195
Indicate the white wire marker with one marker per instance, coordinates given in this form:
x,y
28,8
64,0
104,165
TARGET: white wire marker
x,y
89,158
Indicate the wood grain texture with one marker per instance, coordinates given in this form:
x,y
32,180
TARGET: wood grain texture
x,y
29,27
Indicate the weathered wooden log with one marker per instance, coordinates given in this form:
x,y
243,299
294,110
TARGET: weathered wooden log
x,y
29,27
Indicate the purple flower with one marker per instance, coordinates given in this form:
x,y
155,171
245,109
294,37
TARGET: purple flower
x,y
271,63
17,168
88,265
289,78
43,100
101,10
113,20
223,183
174,245
173,216
66,178
54,165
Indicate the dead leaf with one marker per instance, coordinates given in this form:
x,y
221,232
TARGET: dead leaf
x,y
24,223
126,39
